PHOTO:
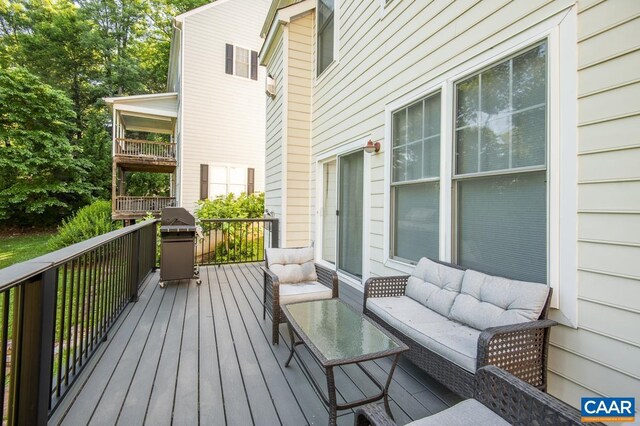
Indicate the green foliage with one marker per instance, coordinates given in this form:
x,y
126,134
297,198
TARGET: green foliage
x,y
147,184
227,207
236,241
87,49
42,176
90,221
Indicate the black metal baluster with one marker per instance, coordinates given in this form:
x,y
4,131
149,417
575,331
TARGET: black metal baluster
x,y
94,302
6,295
69,325
83,298
61,336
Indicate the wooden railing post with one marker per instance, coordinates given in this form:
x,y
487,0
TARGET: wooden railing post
x,y
135,259
33,352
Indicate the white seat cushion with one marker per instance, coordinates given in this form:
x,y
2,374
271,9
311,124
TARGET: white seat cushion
x,y
449,339
292,266
303,292
466,413
488,301
434,285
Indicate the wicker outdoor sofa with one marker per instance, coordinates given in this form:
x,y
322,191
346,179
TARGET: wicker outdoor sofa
x,y
456,321
499,398
290,275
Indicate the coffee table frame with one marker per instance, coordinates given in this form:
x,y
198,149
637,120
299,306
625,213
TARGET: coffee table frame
x,y
295,330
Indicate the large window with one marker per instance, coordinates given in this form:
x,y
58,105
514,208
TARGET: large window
x,y
225,180
415,179
499,201
325,34
500,173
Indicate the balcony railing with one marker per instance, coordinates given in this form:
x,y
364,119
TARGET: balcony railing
x,y
225,241
56,310
146,149
130,204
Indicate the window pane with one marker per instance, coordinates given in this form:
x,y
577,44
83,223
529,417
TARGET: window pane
x,y
416,220
529,78
467,102
237,189
414,161
467,150
431,157
242,62
414,122
432,115
502,225
529,138
495,98
329,207
216,189
218,174
400,164
400,128
494,145
325,34
237,175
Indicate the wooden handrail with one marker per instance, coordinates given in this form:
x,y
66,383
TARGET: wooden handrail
x,y
145,141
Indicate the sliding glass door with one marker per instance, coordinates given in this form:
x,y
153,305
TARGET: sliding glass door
x,y
350,210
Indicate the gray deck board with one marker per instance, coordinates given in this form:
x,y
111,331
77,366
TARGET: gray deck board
x,y
189,355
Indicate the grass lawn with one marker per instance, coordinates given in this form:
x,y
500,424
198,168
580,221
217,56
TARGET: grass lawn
x,y
18,248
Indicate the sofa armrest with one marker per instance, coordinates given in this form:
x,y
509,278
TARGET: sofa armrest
x,y
328,278
372,415
520,349
520,403
270,277
385,286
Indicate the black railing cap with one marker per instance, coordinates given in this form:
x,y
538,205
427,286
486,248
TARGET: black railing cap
x,y
14,274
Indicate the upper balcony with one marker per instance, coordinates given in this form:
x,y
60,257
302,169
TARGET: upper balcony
x,y
145,156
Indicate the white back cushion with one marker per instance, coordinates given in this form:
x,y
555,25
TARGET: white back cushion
x,y
487,301
294,265
434,285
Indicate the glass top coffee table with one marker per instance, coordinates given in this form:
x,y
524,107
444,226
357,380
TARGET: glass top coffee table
x,y
337,334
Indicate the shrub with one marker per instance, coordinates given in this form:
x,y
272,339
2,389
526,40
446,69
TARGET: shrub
x,y
88,222
237,241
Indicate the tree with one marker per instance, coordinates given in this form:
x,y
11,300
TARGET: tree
x,y
42,177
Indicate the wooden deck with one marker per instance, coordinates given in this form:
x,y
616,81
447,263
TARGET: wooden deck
x,y
189,355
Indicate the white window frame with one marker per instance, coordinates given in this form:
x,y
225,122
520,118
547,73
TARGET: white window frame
x,y
317,78
227,168
560,33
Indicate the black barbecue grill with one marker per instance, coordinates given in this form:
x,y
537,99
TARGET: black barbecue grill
x,y
178,237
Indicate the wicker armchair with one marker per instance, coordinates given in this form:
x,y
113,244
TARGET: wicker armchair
x,y
271,294
521,349
516,402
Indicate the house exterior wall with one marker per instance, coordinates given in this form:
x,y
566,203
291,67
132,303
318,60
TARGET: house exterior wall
x,y
274,134
300,79
223,116
385,53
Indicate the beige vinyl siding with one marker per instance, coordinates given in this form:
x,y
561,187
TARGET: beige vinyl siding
x,y
413,44
223,115
300,77
274,134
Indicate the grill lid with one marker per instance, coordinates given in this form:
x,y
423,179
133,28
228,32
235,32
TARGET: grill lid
x,y
176,216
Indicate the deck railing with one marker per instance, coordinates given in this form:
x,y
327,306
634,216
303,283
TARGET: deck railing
x,y
235,240
142,148
55,311
130,204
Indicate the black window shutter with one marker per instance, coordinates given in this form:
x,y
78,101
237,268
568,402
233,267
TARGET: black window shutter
x,y
254,65
204,181
251,174
229,59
